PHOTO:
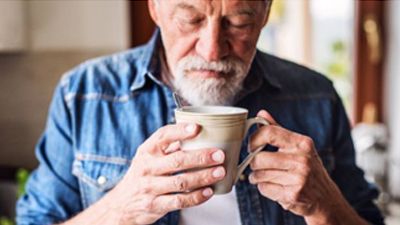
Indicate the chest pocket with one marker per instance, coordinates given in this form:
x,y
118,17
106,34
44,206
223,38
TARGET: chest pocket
x,y
97,174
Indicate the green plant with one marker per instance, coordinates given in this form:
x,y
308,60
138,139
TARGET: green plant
x,y
338,68
5,221
21,178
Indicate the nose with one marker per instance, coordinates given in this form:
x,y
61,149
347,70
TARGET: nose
x,y
212,44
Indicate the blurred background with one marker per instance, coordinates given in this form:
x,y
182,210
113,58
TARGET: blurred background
x,y
355,43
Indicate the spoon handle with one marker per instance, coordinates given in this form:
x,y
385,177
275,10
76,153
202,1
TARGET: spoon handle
x,y
177,100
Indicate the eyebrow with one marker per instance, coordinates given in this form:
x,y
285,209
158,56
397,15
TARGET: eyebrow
x,y
184,6
243,11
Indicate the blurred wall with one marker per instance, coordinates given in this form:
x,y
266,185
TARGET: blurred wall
x,y
392,94
60,35
78,25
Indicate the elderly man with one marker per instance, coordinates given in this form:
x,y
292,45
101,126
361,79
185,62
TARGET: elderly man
x,y
108,156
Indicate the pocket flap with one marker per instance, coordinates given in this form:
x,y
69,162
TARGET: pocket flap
x,y
101,172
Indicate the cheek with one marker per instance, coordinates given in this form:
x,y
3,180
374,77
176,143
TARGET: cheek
x,y
177,45
244,44
243,49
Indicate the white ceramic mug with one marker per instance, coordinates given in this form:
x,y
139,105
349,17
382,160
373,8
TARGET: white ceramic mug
x,y
222,127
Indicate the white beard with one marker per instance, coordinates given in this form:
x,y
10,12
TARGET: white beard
x,y
209,91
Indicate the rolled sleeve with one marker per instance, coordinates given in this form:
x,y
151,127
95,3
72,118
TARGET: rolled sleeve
x,y
349,178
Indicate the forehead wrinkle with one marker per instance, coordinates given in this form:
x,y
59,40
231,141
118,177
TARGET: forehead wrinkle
x,y
184,6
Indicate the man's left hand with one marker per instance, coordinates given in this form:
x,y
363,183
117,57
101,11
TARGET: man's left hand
x,y
294,176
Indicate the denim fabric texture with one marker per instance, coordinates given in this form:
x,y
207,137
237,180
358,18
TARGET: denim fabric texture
x,y
105,108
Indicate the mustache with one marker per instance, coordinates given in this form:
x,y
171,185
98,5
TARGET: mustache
x,y
227,65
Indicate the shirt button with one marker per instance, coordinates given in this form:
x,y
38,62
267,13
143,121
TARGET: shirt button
x,y
242,177
101,180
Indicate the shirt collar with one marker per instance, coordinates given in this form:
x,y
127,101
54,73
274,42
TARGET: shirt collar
x,y
265,72
257,75
150,68
148,63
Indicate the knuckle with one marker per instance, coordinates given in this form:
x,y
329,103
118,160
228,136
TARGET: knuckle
x,y
179,202
161,146
148,187
146,171
180,183
196,199
140,168
148,204
306,143
191,201
269,133
177,161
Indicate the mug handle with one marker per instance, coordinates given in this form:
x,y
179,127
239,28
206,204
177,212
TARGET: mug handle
x,y
247,160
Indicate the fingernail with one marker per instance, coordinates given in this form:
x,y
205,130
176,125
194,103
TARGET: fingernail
x,y
207,192
219,172
251,178
190,128
218,156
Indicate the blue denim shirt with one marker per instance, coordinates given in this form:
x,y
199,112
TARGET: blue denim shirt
x,y
105,108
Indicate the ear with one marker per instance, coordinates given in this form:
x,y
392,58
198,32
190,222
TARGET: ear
x,y
153,10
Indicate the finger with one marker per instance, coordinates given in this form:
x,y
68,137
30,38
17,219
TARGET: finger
x,y
185,182
276,160
184,160
275,192
159,141
281,177
276,136
265,114
173,147
172,202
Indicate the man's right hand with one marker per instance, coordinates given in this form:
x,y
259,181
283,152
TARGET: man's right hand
x,y
162,178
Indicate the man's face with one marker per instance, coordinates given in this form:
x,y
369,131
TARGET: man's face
x,y
209,44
